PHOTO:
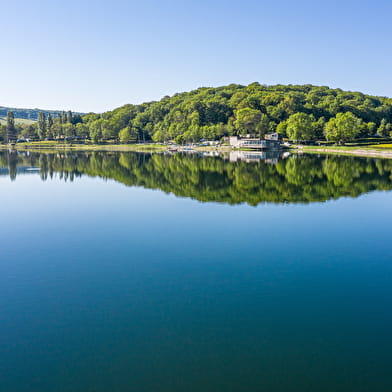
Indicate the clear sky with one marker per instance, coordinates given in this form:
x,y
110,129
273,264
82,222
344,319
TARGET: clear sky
x,y
95,56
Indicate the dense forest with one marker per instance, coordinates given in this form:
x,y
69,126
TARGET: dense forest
x,y
301,113
297,179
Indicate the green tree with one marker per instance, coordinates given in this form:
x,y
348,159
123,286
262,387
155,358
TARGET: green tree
x,y
282,128
300,126
180,139
96,130
108,132
248,120
41,129
371,128
69,117
125,135
57,129
158,136
69,130
318,127
50,126
263,126
10,128
82,130
29,131
384,129
343,127
3,132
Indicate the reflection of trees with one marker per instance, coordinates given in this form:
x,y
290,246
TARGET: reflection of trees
x,y
12,164
296,179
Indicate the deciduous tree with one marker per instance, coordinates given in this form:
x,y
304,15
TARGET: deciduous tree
x,y
343,127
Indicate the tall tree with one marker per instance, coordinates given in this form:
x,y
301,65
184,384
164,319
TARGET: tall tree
x,y
10,130
41,126
69,117
50,126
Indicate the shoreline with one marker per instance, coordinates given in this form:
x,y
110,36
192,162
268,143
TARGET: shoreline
x,y
360,152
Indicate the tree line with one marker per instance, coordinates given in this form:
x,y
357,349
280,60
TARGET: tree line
x,y
298,112
46,127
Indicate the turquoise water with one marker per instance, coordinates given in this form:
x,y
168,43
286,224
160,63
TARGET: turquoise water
x,y
109,281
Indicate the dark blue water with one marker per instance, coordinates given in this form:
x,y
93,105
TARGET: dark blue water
x,y
105,287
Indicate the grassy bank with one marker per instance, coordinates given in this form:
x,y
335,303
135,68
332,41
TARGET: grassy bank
x,y
377,150
53,145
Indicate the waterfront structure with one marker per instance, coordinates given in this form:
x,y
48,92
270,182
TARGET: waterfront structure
x,y
271,141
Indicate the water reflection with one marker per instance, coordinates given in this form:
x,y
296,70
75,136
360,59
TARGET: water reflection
x,y
240,177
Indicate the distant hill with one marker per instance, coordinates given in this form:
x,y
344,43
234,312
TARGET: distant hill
x,y
3,120
29,114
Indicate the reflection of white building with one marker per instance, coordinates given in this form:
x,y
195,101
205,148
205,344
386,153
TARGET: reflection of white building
x,y
271,141
252,156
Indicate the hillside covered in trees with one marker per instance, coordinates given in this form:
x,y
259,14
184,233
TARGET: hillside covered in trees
x,y
299,112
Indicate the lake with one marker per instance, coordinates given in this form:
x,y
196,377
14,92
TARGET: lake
x,y
151,272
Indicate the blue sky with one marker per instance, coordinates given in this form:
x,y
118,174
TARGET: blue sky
x,y
95,56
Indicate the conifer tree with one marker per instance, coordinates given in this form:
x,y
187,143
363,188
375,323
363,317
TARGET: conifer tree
x,y
10,130
41,126
69,117
50,126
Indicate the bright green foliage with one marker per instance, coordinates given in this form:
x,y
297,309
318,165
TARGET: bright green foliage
x,y
108,133
82,130
343,127
157,137
212,113
370,128
385,128
96,130
180,139
248,120
125,135
300,126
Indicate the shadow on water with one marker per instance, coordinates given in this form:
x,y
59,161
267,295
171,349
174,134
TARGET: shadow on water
x,y
241,177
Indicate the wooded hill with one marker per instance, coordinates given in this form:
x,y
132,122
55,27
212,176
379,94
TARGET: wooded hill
x,y
300,112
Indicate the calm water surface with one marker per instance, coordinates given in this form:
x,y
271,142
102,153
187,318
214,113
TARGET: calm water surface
x,y
128,272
